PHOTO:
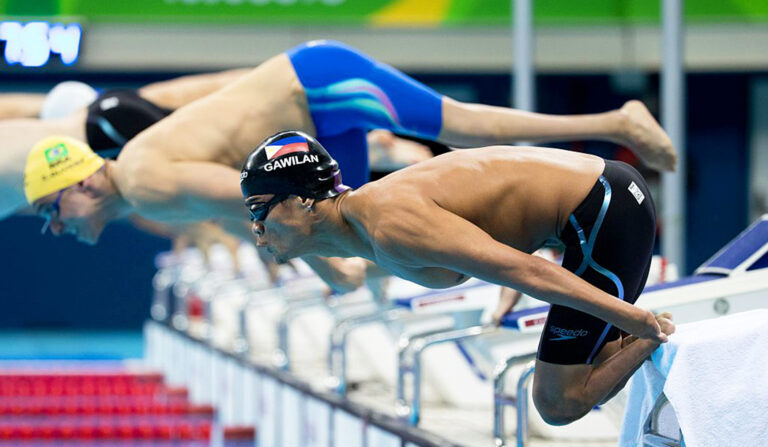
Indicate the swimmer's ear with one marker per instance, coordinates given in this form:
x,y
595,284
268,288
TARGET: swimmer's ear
x,y
89,184
86,186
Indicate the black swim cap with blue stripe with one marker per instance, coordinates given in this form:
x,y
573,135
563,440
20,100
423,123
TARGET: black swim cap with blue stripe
x,y
116,117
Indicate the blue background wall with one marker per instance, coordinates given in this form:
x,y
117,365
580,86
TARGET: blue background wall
x,y
58,283
718,157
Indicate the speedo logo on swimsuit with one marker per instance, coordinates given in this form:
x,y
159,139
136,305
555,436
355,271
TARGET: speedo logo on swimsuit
x,y
566,334
286,146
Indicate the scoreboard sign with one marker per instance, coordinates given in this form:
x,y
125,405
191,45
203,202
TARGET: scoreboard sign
x,y
38,44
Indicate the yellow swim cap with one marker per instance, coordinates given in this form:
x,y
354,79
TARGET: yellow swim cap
x,y
55,163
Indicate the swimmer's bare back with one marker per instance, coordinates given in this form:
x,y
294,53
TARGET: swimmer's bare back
x,y
477,213
520,197
186,167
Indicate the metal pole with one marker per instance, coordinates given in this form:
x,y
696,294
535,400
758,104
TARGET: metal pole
x,y
430,340
523,83
522,403
673,119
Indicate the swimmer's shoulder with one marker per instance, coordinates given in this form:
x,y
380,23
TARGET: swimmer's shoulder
x,y
388,213
142,181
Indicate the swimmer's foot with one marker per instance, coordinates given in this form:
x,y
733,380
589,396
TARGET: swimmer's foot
x,y
640,132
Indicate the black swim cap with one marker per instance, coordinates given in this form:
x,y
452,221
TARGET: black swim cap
x,y
294,163
116,117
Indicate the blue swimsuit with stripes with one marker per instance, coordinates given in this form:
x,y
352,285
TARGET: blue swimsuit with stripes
x,y
349,94
609,243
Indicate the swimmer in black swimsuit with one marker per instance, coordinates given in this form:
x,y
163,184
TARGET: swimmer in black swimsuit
x,y
481,213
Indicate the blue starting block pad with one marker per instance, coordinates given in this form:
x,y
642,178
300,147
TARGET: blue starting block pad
x,y
682,282
748,251
466,297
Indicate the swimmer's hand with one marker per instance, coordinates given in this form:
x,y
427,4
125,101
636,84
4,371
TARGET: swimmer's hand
x,y
666,323
651,328
508,299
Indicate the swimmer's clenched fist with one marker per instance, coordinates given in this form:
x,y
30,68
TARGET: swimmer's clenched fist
x,y
665,323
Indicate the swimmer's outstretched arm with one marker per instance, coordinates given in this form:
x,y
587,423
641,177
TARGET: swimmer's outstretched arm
x,y
183,191
428,236
21,105
508,299
170,94
178,92
186,191
341,274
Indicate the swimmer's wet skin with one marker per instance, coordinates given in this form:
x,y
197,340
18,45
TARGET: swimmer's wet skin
x,y
424,224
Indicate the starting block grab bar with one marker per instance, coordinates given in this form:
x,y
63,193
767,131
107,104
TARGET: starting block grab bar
x,y
410,351
520,401
337,352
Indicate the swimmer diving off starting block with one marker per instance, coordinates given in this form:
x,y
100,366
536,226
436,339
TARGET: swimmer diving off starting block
x,y
105,121
481,213
186,167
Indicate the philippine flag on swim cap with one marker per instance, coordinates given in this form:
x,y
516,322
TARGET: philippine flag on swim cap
x,y
285,146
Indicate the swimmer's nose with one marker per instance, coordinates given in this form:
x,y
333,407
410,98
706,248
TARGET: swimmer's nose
x,y
258,230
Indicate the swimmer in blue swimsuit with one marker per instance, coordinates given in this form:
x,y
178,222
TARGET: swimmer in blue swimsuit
x,y
349,93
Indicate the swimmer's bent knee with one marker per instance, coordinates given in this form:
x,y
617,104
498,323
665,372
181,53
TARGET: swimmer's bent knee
x,y
559,410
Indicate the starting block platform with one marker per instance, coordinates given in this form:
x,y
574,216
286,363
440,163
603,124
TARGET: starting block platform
x,y
740,269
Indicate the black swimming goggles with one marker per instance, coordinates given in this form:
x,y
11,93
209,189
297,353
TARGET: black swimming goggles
x,y
260,210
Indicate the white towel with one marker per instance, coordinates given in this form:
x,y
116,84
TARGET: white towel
x,y
715,375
